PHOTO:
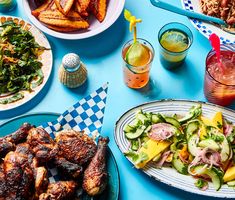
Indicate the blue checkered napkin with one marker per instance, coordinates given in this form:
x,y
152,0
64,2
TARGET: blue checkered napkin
x,y
86,115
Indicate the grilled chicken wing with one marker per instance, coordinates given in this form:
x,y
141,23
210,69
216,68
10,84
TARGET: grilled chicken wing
x,y
95,176
8,143
62,190
75,146
42,145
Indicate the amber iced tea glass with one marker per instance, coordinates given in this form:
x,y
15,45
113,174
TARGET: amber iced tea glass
x,y
215,91
137,76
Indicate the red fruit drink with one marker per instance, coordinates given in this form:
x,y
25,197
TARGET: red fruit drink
x,y
219,83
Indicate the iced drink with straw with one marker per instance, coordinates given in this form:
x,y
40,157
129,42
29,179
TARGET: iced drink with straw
x,y
219,82
137,56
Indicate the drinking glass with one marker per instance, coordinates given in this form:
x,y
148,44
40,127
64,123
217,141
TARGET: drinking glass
x,y
219,83
168,58
137,76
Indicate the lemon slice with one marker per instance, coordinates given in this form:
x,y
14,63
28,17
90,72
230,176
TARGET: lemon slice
x,y
174,41
137,55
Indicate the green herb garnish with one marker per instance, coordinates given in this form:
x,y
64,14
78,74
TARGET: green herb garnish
x,y
200,183
136,157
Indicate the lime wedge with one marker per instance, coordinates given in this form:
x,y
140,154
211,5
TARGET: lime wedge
x,y
174,41
137,55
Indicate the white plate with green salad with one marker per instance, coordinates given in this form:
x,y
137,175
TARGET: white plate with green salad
x,y
25,62
189,145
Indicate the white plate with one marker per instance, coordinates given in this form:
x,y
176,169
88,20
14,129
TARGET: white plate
x,y
169,175
207,28
46,59
114,9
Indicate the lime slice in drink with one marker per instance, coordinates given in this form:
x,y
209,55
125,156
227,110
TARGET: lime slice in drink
x,y
174,41
137,55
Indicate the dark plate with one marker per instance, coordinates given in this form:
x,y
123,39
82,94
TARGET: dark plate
x,y
112,191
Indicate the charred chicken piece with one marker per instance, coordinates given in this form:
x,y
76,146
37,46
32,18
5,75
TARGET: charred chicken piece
x,y
8,143
71,169
22,174
96,176
2,182
75,146
62,190
19,176
41,181
42,145
21,134
5,147
45,149
39,173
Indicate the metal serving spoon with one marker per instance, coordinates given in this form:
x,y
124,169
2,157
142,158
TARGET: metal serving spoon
x,y
190,14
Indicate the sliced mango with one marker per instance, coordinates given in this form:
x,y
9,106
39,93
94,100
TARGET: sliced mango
x,y
218,121
207,121
203,133
229,174
152,149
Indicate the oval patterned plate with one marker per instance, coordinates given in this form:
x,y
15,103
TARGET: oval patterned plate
x,y
206,28
112,190
169,175
46,59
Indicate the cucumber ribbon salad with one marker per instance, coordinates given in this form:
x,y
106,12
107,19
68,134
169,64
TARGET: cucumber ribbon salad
x,y
193,144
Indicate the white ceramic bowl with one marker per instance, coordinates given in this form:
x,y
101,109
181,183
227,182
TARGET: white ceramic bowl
x,y
114,9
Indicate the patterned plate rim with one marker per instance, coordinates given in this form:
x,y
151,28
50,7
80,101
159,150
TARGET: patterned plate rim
x,y
204,31
145,170
58,114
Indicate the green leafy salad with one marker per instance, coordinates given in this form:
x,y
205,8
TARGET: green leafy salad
x,y
20,68
192,144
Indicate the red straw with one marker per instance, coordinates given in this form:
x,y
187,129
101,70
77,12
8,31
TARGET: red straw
x,y
215,43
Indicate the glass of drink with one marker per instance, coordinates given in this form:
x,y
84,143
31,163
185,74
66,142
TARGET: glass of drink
x,y
175,39
219,81
137,60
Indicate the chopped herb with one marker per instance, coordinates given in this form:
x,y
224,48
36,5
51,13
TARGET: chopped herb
x,y
217,138
219,125
12,99
136,157
135,145
200,183
231,136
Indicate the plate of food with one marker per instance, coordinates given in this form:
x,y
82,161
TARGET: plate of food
x,y
185,144
32,159
216,8
73,19
26,62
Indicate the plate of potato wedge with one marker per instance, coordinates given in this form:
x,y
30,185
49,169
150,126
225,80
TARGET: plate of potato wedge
x,y
73,19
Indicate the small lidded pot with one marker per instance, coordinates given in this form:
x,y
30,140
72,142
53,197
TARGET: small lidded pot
x,y
72,72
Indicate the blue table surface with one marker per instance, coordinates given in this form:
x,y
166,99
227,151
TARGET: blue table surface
x,y
102,56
